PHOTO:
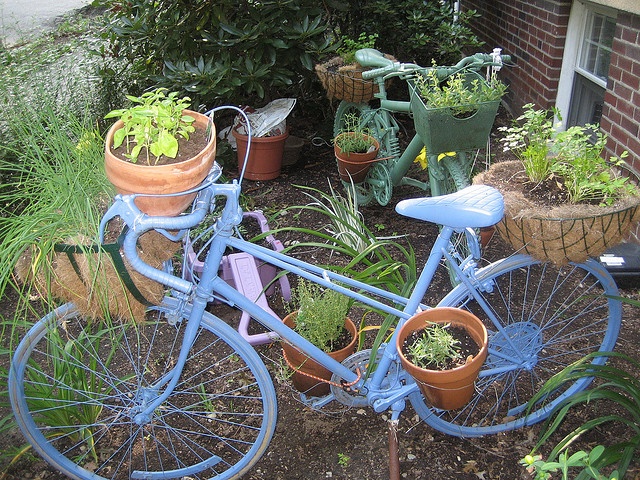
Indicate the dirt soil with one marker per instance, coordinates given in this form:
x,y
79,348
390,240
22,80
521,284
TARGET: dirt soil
x,y
342,443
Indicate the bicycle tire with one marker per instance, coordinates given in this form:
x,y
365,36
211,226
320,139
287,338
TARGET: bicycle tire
x,y
75,385
552,317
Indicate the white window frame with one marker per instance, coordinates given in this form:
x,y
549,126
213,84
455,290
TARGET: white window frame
x,y
572,50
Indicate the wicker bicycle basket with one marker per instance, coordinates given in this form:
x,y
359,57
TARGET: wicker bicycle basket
x,y
563,234
344,82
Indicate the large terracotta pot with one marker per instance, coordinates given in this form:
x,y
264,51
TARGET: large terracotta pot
x,y
160,180
265,156
304,365
446,389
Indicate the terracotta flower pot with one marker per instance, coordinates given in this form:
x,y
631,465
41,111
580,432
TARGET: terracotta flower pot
x,y
355,166
160,180
446,389
265,156
304,365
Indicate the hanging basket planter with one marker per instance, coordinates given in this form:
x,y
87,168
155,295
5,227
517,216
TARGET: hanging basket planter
x,y
344,82
562,234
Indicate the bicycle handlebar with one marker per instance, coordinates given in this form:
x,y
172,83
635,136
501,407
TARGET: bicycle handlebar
x,y
371,57
139,223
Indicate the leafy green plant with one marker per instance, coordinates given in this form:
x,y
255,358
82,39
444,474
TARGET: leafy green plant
x,y
434,347
321,313
461,91
349,46
617,395
411,29
574,155
529,138
384,262
152,125
354,138
543,469
54,187
74,398
200,48
588,176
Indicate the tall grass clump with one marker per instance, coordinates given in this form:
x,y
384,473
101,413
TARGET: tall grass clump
x,y
53,186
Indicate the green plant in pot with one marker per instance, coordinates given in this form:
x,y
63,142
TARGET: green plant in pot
x,y
443,349
355,150
564,199
456,113
157,146
320,316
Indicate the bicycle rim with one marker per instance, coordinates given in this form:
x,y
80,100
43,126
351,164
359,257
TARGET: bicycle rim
x,y
76,386
548,318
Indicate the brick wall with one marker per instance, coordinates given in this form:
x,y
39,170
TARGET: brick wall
x,y
535,32
621,112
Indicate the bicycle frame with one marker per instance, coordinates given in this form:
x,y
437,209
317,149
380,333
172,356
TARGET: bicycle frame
x,y
211,284
391,171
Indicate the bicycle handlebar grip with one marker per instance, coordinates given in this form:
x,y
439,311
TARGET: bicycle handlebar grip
x,y
378,72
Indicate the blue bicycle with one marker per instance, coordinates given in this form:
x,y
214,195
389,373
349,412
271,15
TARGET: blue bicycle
x,y
184,395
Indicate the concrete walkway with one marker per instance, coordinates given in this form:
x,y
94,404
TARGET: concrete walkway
x,y
22,19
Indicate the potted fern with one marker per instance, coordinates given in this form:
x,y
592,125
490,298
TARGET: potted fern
x,y
443,349
157,147
320,316
355,150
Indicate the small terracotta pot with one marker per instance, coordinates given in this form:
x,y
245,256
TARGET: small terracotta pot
x,y
303,364
130,177
355,166
446,389
265,156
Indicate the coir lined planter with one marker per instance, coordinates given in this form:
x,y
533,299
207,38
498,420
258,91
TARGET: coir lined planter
x,y
446,389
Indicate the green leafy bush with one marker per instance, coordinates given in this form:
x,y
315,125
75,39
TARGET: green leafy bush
x,y
220,50
411,30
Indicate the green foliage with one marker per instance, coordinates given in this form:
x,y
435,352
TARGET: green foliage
x,y
54,187
616,396
349,46
581,459
531,140
382,263
354,138
152,125
588,176
220,51
321,313
575,155
229,51
435,347
461,91
412,30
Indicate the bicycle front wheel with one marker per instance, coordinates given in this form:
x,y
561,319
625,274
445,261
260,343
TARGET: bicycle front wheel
x,y
76,386
540,319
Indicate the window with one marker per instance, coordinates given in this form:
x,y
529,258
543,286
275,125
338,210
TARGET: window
x,y
586,64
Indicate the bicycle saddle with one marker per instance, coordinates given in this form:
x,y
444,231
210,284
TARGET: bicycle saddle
x,y
370,57
475,206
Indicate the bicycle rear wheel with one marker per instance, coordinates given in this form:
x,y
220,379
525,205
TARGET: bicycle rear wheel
x,y
76,385
547,318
